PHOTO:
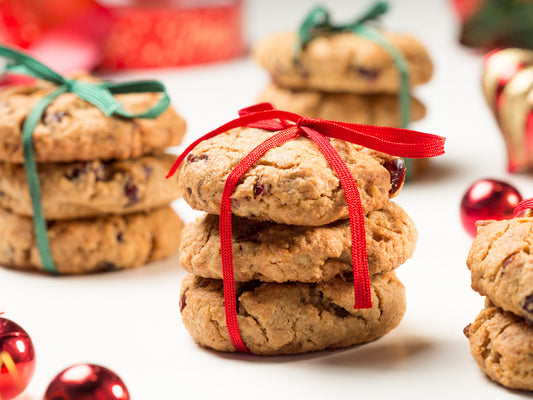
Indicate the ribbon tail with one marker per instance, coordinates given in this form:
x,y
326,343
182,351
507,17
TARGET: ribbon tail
x,y
226,248
39,221
362,287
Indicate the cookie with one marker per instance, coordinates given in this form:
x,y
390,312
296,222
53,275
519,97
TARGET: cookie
x,y
502,345
291,184
376,109
92,245
343,62
270,252
74,130
501,264
93,188
291,318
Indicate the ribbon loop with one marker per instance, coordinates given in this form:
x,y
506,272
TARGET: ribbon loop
x,y
523,206
98,94
287,126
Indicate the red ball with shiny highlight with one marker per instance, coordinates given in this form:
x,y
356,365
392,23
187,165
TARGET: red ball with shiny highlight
x,y
17,359
87,382
488,199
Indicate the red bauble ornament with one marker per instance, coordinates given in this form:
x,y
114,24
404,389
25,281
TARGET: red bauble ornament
x,y
488,199
17,359
87,382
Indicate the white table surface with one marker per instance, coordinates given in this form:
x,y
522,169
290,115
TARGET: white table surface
x,y
129,321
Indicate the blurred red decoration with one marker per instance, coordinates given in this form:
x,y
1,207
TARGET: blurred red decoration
x,y
73,35
87,382
488,199
149,34
17,359
508,87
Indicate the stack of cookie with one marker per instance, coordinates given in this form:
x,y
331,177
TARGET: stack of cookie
x,y
342,77
103,187
291,245
501,337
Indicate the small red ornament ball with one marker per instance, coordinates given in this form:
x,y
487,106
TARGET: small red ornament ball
x,y
87,382
488,199
17,359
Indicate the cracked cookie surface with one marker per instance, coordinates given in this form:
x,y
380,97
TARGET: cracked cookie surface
x,y
501,263
291,184
291,318
502,345
92,245
379,109
93,188
343,62
270,252
73,130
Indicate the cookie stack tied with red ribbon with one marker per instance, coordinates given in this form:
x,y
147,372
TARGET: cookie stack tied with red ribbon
x,y
501,263
351,73
82,172
299,224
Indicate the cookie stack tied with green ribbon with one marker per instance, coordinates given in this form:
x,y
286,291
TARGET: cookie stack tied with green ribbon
x,y
291,279
351,73
501,263
82,172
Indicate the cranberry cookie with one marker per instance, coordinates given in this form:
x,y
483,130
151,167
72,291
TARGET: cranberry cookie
x,y
270,252
93,188
74,130
291,184
377,109
343,62
502,345
291,318
92,245
501,264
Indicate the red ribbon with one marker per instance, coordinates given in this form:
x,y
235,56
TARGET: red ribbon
x,y
393,141
523,206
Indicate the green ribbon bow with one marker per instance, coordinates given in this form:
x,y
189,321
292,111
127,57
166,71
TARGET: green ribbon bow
x,y
317,23
98,94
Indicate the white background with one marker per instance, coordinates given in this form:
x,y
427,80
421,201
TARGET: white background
x,y
129,321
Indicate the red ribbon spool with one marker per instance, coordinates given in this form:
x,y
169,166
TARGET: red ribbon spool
x,y
393,141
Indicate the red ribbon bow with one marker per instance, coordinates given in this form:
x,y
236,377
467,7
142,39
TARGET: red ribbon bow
x,y
393,141
523,206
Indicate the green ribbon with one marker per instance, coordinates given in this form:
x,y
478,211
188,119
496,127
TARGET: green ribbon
x,y
317,23
98,94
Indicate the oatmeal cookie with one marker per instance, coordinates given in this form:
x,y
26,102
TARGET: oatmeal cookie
x,y
291,184
342,62
270,252
291,318
73,130
92,245
92,188
502,345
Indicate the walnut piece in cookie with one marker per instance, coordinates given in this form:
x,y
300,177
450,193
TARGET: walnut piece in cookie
x,y
501,263
291,318
291,184
342,62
